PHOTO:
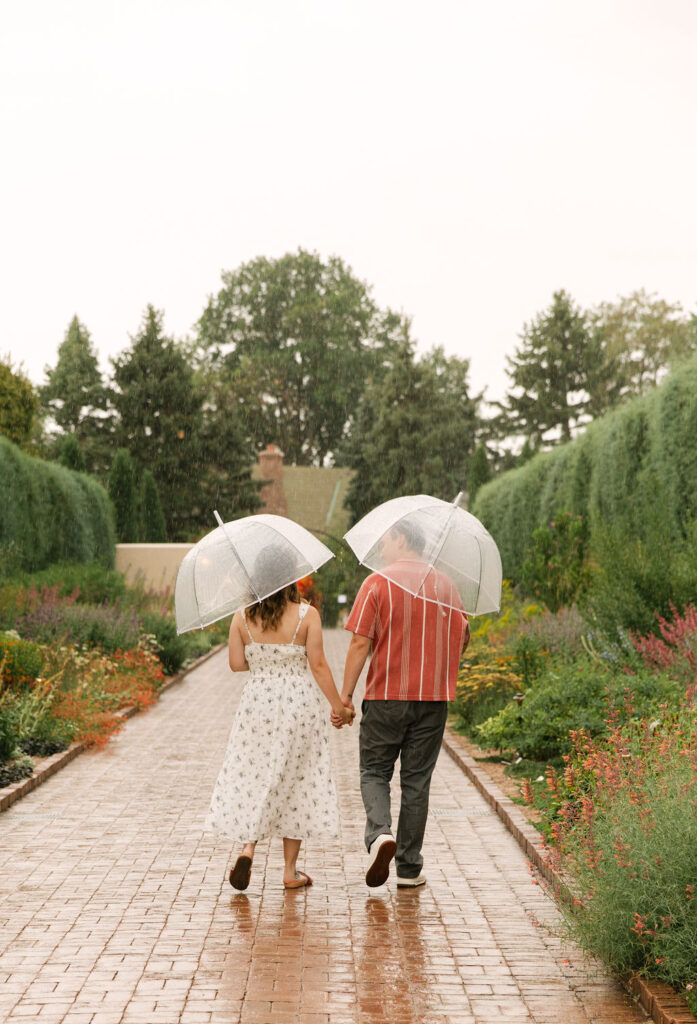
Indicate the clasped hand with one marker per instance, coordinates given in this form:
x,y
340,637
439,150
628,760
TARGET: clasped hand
x,y
347,715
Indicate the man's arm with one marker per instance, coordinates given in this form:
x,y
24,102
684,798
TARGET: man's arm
x,y
358,651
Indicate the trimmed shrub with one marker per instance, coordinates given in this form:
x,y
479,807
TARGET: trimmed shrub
x,y
122,491
110,628
631,477
51,514
152,519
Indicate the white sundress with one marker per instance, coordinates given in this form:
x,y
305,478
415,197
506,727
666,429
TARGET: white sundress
x,y
276,776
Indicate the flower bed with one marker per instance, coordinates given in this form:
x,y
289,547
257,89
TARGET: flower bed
x,y
618,802
68,665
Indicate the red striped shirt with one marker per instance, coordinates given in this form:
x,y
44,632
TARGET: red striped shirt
x,y
417,644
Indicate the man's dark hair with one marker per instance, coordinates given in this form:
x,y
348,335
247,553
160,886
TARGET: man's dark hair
x,y
412,534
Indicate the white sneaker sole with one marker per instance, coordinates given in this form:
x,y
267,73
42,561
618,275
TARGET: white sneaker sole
x,y
408,883
379,870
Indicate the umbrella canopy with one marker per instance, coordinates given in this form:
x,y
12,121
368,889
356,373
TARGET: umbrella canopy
x,y
240,563
451,558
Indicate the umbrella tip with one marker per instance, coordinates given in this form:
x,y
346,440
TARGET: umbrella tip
x,y
459,498
217,517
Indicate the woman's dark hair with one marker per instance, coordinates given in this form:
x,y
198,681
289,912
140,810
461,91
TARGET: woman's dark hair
x,y
271,609
270,566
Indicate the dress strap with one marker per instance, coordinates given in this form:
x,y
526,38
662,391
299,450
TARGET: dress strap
x,y
301,616
246,625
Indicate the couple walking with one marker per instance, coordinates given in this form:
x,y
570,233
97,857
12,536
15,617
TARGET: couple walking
x,y
276,776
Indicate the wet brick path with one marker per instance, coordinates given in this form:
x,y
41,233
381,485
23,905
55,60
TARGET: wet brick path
x,y
115,906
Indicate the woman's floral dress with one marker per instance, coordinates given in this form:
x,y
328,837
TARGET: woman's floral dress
x,y
276,776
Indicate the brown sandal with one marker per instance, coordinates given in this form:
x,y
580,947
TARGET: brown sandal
x,y
241,872
302,881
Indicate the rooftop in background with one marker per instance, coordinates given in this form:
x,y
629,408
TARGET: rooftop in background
x,y
314,497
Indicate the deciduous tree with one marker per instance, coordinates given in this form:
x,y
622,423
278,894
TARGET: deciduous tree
x,y
300,336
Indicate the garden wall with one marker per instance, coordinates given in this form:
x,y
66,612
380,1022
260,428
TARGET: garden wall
x,y
155,565
633,471
51,514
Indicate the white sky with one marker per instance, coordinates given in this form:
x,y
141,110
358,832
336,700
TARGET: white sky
x,y
465,157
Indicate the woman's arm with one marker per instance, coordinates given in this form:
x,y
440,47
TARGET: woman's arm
x,y
238,660
320,668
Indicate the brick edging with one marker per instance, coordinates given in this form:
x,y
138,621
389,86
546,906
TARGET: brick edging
x,y
659,1000
14,792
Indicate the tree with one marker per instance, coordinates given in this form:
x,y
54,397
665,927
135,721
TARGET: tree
x,y
18,404
642,337
153,529
479,472
300,336
70,454
122,491
159,419
76,398
550,375
414,431
185,430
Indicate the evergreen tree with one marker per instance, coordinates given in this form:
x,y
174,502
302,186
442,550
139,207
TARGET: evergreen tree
x,y
75,397
122,491
70,454
550,375
18,404
414,431
160,418
153,529
479,472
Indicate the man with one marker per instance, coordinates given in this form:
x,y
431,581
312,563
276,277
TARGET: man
x,y
416,648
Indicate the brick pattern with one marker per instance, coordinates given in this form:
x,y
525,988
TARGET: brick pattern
x,y
115,906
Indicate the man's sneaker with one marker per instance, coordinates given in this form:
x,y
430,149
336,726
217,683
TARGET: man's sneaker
x,y
382,850
410,883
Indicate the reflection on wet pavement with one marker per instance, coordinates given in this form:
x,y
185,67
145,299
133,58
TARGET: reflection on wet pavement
x,y
116,907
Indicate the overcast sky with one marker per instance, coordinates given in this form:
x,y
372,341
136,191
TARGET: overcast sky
x,y
465,158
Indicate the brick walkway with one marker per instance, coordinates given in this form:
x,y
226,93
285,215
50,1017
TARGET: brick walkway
x,y
116,906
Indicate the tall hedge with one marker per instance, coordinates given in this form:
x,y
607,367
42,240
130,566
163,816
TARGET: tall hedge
x,y
634,470
51,514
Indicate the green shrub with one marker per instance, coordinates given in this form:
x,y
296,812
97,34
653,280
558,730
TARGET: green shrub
x,y
171,649
49,514
9,738
572,696
20,660
554,570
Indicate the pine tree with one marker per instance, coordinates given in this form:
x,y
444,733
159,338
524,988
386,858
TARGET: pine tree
x,y
160,419
550,375
70,454
153,529
75,397
122,491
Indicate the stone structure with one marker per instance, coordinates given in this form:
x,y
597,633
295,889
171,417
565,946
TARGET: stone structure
x,y
272,494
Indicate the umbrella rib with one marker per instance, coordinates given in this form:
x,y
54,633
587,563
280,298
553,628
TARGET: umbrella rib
x,y
221,524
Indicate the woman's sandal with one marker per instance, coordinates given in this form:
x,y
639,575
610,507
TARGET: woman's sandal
x,y
241,872
302,881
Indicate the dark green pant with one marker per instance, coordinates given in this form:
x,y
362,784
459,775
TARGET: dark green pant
x,y
413,731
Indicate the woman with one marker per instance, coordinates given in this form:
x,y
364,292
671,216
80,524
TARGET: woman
x,y
276,776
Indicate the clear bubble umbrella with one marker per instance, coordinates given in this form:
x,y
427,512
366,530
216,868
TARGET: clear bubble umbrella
x,y
451,558
240,563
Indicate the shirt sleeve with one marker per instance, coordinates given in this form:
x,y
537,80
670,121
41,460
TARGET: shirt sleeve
x,y
363,616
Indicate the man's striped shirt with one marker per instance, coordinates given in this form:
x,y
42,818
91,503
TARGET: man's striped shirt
x,y
417,643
